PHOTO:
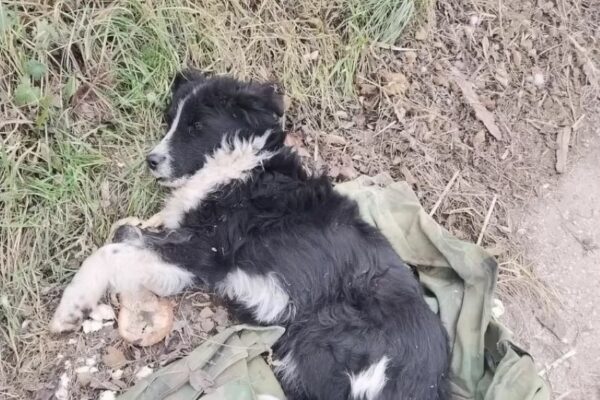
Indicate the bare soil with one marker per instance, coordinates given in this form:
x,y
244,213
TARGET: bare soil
x,y
533,66
562,233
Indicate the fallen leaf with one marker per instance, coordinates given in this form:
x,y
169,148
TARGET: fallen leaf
x,y
221,316
486,117
311,56
502,75
114,358
366,89
334,139
144,372
397,84
207,325
562,149
295,142
478,139
341,114
408,176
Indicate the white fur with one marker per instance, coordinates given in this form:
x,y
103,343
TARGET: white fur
x,y
262,294
367,384
232,161
286,370
164,169
122,267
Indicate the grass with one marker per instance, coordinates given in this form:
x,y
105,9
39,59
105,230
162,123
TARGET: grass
x,y
82,92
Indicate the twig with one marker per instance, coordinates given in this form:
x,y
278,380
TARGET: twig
x,y
388,126
558,361
564,395
444,193
486,221
390,47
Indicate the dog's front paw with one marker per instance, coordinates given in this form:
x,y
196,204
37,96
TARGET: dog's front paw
x,y
154,222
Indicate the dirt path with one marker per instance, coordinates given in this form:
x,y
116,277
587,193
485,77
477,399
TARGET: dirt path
x,y
562,233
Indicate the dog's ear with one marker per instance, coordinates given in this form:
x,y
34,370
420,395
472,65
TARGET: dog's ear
x,y
263,97
185,76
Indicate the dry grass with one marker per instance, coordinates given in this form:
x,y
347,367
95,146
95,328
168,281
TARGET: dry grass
x,y
83,84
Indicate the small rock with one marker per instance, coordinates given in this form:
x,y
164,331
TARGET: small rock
x,y
90,325
497,308
538,77
90,362
206,313
410,57
108,395
84,378
474,20
144,372
103,312
86,369
341,114
117,374
421,34
114,358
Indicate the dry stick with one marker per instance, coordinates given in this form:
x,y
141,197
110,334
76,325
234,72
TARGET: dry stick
x,y
444,193
486,221
558,361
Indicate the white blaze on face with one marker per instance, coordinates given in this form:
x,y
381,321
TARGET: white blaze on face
x,y
165,169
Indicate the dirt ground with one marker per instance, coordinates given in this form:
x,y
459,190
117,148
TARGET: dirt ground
x,y
467,108
562,236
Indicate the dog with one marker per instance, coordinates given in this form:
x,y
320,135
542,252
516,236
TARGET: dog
x,y
245,219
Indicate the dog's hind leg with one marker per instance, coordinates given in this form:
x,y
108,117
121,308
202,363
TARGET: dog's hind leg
x,y
122,267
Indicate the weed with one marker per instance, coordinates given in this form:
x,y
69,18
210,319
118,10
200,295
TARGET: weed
x,y
83,85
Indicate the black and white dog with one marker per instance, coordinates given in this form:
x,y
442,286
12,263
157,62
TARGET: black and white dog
x,y
281,245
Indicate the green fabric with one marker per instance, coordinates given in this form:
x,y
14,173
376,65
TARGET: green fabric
x,y
228,366
460,278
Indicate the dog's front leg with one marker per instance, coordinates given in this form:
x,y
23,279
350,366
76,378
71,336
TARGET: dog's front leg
x,y
126,266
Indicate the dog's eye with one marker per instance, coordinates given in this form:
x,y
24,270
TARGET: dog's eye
x,y
198,125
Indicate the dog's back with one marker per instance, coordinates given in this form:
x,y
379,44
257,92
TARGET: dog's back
x,y
357,324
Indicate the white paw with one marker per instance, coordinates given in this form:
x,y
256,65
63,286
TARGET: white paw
x,y
155,221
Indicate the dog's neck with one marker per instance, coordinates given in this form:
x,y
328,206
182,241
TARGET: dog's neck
x,y
233,161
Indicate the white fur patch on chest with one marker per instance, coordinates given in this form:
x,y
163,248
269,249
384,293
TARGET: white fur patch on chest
x,y
368,384
233,161
262,294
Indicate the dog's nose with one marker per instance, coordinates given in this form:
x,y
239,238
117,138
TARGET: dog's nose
x,y
154,160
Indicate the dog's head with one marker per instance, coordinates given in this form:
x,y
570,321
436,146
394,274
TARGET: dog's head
x,y
203,112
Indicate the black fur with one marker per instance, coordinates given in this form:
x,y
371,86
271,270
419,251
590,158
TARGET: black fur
x,y
222,105
355,300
